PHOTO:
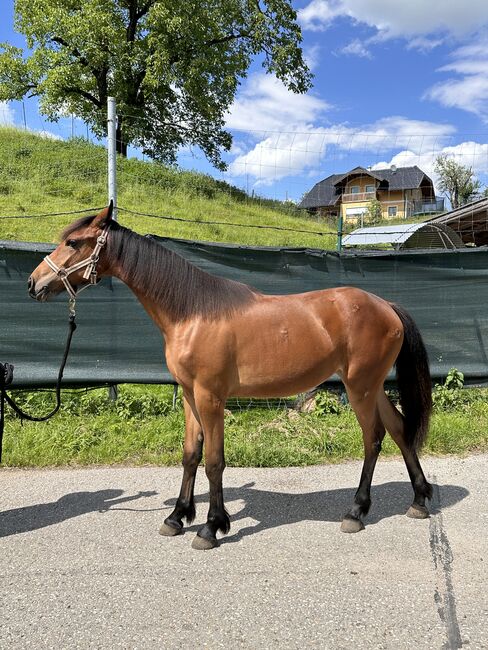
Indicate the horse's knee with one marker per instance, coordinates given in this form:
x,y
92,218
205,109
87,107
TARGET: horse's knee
x,y
192,459
214,470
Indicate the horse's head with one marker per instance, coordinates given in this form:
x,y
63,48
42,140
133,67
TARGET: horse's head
x,y
74,263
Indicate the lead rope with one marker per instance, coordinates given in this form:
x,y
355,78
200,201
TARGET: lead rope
x,y
7,374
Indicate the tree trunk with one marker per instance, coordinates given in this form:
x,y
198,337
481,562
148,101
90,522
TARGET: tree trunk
x,y
121,144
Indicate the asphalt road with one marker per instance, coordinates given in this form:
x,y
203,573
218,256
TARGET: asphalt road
x,y
82,564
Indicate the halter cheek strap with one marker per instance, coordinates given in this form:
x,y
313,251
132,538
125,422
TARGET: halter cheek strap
x,y
90,263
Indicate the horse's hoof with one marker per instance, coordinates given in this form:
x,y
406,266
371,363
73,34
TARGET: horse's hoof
x,y
350,525
170,530
418,512
203,544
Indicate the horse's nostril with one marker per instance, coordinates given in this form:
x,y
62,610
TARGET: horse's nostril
x,y
30,284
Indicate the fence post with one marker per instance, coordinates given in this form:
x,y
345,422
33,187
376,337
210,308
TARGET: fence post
x,y
339,231
112,183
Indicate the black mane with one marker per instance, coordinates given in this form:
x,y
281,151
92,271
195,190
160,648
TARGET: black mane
x,y
181,288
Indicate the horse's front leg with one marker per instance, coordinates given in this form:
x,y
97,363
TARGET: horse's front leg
x,y
210,410
192,455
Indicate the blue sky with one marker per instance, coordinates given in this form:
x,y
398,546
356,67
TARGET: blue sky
x,y
394,83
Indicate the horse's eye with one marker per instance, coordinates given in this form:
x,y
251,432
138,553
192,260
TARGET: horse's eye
x,y
72,243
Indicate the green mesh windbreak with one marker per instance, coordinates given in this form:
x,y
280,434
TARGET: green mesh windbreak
x,y
116,342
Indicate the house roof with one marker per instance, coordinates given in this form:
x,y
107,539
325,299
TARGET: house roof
x,y
327,192
358,171
470,222
406,235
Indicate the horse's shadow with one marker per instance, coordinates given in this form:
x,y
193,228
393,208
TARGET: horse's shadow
x,y
267,509
273,509
23,520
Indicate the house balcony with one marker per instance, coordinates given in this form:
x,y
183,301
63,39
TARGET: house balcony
x,y
356,197
428,206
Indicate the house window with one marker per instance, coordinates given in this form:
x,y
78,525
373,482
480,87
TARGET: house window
x,y
392,211
370,188
354,189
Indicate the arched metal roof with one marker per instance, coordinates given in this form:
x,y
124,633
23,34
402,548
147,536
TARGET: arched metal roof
x,y
407,235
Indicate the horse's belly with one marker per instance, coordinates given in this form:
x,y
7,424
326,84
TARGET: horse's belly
x,y
285,366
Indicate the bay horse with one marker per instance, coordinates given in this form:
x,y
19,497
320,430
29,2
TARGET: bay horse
x,y
224,338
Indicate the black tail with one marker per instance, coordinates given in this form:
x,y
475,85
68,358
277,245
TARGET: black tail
x,y
413,381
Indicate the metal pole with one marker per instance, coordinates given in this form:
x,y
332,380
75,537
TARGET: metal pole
x,y
112,182
112,149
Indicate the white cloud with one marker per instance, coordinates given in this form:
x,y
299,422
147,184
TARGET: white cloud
x,y
412,19
468,90
6,114
318,14
48,135
470,154
265,104
303,146
356,48
7,118
424,44
312,56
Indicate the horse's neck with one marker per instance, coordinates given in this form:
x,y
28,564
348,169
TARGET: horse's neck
x,y
152,307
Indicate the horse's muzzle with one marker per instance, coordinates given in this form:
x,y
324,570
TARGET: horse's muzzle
x,y
31,287
40,295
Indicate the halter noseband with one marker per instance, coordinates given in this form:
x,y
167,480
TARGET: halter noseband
x,y
90,263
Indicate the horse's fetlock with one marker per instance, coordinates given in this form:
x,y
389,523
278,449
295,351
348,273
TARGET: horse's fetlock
x,y
190,512
219,520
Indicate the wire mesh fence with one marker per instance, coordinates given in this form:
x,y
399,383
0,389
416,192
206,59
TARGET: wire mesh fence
x,y
304,173
297,187
302,181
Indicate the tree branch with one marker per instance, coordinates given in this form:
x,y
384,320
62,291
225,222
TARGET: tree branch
x,y
74,51
229,37
71,90
135,16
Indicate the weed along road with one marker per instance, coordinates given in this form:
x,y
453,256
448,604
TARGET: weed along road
x,y
82,564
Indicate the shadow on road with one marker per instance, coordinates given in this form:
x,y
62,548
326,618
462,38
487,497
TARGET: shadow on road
x,y
273,509
22,520
268,509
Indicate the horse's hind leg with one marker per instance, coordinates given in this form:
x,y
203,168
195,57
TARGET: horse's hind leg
x,y
366,411
192,455
393,421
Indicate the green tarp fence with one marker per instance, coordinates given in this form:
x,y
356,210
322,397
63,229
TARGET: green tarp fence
x,y
116,342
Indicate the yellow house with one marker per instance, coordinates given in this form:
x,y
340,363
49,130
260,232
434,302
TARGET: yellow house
x,y
399,192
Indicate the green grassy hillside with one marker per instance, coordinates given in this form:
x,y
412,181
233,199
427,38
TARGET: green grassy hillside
x,y
41,175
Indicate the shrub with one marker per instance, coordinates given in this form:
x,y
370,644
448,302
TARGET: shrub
x,y
448,395
326,402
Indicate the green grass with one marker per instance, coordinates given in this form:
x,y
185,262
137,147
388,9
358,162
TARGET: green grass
x,y
40,175
142,428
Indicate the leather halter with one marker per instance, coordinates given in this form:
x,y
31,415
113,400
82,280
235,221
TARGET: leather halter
x,y
90,263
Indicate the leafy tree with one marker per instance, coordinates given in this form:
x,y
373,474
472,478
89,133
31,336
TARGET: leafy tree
x,y
456,181
173,65
375,211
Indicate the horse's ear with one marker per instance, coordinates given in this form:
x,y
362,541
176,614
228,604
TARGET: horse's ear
x,y
104,217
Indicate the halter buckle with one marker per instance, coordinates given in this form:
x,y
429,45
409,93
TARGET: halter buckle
x,y
72,307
